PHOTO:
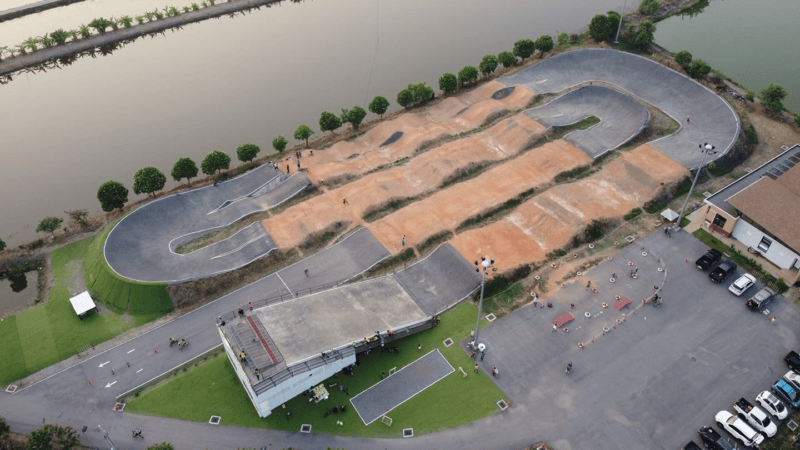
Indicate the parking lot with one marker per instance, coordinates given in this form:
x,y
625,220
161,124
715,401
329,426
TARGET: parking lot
x,y
660,375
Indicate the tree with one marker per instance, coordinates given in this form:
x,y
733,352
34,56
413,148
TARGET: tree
x,y
379,105
448,83
646,34
161,446
772,96
302,133
563,39
329,121
649,6
421,92
247,152
59,36
467,75
599,28
613,22
355,116
279,144
507,59
49,225
684,58
405,98
698,69
79,216
544,44
52,436
100,24
524,48
796,120
215,161
112,195
343,116
148,180
184,168
488,64
2,247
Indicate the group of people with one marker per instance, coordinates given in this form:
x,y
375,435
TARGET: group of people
x,y
182,343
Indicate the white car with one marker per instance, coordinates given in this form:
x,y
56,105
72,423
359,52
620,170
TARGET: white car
x,y
756,417
772,404
739,429
793,378
742,284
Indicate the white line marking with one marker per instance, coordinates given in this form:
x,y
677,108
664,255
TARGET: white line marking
x,y
101,365
540,82
110,384
284,283
240,247
139,370
131,351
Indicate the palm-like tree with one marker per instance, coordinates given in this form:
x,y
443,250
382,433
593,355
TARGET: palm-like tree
x,y
186,9
149,16
73,35
195,6
85,32
126,21
46,40
158,14
113,23
21,48
3,49
140,19
31,44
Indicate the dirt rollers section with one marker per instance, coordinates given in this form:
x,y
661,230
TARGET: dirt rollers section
x,y
549,221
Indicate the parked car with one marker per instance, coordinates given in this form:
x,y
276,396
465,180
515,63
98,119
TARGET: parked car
x,y
712,440
793,361
785,391
742,284
723,272
739,429
762,298
692,446
793,378
709,259
756,417
772,404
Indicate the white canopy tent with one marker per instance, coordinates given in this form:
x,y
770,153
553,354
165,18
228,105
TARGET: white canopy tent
x,y
82,304
669,215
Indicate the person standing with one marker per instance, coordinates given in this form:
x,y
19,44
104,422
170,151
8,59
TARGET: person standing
x,y
287,168
404,240
494,371
476,368
535,300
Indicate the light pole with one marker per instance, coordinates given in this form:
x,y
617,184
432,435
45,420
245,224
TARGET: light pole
x,y
621,15
483,268
706,149
108,439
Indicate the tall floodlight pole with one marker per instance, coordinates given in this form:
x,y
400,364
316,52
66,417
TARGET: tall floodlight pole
x,y
108,439
619,26
706,149
483,268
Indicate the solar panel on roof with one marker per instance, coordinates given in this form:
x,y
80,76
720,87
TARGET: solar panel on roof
x,y
772,175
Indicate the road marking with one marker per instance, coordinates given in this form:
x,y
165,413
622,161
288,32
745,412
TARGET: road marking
x,y
540,82
284,283
101,365
139,370
132,351
110,384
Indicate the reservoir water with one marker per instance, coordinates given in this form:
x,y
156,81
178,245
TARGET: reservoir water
x,y
223,82
753,42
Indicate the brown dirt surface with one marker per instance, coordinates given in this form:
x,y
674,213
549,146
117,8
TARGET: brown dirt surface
x,y
446,209
422,174
443,118
549,221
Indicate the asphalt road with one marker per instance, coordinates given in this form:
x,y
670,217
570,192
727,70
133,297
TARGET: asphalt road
x,y
649,384
712,119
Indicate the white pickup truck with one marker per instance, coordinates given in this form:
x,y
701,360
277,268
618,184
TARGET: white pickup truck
x,y
756,417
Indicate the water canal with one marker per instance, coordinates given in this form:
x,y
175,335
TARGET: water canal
x,y
224,82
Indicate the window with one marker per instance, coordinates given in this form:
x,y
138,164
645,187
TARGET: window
x,y
720,221
764,244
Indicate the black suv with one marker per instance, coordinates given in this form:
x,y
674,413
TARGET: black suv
x,y
692,446
793,361
709,259
723,272
712,440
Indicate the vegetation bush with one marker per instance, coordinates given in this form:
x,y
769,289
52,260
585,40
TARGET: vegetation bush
x,y
247,152
216,161
544,44
563,40
524,48
684,58
772,96
329,121
112,195
379,105
649,6
149,180
448,83
467,75
599,28
488,64
634,213
698,69
184,168
507,59
751,133
302,133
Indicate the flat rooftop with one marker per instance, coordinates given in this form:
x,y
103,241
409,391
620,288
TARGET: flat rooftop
x,y
306,327
773,168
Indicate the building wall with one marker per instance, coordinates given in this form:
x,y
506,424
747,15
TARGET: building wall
x,y
295,386
777,253
237,367
712,212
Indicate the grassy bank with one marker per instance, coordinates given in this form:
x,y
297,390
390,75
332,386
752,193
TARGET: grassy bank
x,y
51,332
441,406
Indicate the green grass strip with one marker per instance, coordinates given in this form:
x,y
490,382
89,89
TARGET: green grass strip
x,y
213,389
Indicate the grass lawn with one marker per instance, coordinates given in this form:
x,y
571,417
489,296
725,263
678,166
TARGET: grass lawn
x,y
214,389
48,333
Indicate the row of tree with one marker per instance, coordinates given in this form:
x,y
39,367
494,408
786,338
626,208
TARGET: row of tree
x,y
51,437
604,27
449,82
99,25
